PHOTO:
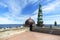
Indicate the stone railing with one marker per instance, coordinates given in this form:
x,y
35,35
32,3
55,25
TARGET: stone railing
x,y
47,30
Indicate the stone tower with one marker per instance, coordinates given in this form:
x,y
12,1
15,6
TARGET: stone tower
x,y
40,16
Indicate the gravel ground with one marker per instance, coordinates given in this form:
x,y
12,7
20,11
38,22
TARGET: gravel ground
x,y
33,36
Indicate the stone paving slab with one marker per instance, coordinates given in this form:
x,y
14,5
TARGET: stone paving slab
x,y
33,36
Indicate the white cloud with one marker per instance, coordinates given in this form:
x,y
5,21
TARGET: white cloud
x,y
15,10
51,6
34,17
7,21
51,19
33,1
3,4
47,9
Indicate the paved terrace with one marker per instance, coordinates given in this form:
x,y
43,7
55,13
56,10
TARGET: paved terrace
x,y
33,36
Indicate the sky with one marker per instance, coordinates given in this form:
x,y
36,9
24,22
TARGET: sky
x,y
18,11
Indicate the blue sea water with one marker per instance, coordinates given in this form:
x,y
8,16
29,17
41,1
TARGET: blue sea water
x,y
19,25
10,25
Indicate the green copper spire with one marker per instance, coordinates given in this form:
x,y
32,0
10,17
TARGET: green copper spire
x,y
40,16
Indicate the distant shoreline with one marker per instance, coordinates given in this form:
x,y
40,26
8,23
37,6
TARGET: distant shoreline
x,y
10,25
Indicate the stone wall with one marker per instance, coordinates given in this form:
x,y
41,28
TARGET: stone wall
x,y
47,30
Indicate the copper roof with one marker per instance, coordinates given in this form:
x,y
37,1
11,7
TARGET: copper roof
x,y
29,21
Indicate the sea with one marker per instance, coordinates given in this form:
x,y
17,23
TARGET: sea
x,y
10,25
19,25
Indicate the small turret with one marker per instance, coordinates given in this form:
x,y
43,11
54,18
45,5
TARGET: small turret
x,y
55,23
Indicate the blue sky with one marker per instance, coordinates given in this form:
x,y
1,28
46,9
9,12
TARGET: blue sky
x,y
17,11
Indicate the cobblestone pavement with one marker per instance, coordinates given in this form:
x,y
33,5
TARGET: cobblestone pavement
x,y
33,36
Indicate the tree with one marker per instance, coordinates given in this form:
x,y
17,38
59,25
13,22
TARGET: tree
x,y
55,23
